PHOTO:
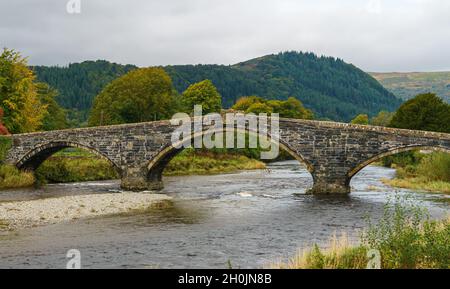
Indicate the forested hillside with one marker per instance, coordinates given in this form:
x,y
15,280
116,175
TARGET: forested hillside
x,y
79,83
330,87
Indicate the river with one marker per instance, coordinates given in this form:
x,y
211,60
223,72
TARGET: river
x,y
249,219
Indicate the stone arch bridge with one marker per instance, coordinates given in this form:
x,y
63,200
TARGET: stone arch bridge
x,y
333,152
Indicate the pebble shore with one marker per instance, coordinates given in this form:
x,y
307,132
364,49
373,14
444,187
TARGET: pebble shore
x,y
24,214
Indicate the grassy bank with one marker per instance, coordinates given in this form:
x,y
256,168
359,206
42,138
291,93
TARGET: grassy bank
x,y
191,162
419,171
77,166
404,238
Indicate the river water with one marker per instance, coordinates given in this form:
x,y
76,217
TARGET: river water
x,y
249,219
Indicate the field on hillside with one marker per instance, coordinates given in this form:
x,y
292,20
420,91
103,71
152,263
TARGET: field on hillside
x,y
407,85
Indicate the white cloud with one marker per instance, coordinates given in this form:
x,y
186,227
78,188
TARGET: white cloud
x,y
400,35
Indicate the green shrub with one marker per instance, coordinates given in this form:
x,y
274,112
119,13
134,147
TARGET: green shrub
x,y
11,177
5,145
435,167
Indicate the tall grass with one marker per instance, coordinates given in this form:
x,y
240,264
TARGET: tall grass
x,y
405,237
201,162
11,177
61,169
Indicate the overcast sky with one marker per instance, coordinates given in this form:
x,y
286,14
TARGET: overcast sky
x,y
376,35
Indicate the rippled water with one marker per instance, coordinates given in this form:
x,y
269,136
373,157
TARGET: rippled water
x,y
250,219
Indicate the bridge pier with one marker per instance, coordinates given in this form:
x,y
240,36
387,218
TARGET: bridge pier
x,y
138,179
330,184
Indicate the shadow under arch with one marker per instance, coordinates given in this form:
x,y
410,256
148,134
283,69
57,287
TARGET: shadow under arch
x,y
35,157
362,165
156,166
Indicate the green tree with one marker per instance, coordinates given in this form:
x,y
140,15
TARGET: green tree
x,y
383,118
23,111
293,108
144,94
243,103
202,93
259,107
424,112
55,117
361,119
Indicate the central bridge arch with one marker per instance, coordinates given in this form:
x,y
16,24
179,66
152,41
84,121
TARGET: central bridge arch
x,y
157,164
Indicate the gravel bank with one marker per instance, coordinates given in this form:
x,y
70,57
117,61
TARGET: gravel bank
x,y
24,214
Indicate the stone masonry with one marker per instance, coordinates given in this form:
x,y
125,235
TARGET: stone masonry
x,y
332,152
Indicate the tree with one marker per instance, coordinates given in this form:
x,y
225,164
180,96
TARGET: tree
x,y
290,108
55,116
293,108
243,103
202,93
361,119
144,94
259,107
424,112
23,111
383,118
3,129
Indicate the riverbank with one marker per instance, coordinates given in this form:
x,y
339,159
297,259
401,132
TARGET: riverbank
x,y
404,239
80,166
24,214
421,171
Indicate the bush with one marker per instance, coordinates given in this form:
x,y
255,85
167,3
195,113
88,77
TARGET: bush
x,y
406,238
435,167
75,169
11,177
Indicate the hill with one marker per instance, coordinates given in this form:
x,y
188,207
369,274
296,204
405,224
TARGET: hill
x,y
330,87
408,85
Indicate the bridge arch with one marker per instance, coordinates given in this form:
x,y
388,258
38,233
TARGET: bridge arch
x,y
394,151
156,165
36,156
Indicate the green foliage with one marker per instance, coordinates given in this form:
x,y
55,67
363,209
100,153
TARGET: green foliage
x,y
259,107
59,169
23,111
330,87
424,112
407,239
203,93
144,94
361,119
201,162
435,167
383,118
55,116
290,108
5,145
11,177
79,83
402,159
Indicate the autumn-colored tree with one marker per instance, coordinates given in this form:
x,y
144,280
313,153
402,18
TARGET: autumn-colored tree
x,y
23,111
202,93
144,94
259,107
3,129
361,119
